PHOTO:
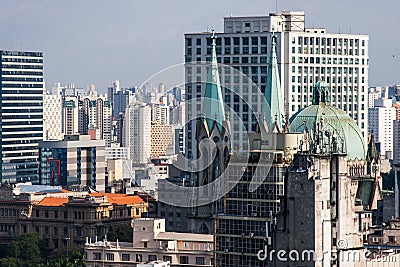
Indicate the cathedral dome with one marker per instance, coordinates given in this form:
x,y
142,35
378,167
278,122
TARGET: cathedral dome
x,y
331,122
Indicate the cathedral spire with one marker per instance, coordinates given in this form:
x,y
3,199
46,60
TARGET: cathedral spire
x,y
213,106
273,92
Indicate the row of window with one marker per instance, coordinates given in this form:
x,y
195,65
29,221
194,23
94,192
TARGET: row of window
x,y
328,79
328,41
150,258
255,40
328,60
327,70
327,51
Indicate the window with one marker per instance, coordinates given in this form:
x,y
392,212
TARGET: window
x,y
126,257
110,256
167,258
184,260
139,258
96,256
200,260
392,239
152,257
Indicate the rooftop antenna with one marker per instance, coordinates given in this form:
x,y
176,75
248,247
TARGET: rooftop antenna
x,y
276,6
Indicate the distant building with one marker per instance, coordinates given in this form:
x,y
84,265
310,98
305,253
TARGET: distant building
x,y
152,243
21,103
52,116
121,100
115,151
179,139
137,132
74,160
161,138
380,120
95,114
70,119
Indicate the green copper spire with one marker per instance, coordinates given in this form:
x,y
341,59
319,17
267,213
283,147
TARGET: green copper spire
x,y
273,92
213,105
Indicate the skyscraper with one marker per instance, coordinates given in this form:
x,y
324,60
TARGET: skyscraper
x,y
21,102
136,132
304,57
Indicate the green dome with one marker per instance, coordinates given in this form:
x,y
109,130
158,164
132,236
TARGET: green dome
x,y
342,127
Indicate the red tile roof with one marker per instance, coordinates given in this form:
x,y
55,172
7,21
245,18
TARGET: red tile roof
x,y
53,201
120,199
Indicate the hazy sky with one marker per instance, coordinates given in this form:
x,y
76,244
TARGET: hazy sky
x,y
97,41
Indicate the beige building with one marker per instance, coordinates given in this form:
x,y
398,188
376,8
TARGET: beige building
x,y
63,218
151,243
162,136
115,169
52,116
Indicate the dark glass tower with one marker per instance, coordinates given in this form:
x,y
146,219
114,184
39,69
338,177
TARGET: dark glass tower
x,y
21,101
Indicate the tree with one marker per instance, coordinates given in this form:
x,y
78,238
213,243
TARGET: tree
x,y
26,250
123,233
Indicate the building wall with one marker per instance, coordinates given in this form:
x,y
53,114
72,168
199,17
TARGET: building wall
x,y
52,117
380,120
304,57
161,138
137,132
21,100
70,124
77,160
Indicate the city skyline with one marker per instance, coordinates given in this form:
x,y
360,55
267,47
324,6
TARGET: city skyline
x,y
85,46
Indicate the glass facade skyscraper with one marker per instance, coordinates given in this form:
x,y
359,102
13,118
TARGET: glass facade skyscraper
x,y
21,107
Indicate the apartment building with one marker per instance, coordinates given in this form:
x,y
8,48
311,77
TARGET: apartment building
x,y
152,243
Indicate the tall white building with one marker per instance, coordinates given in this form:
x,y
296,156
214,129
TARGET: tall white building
x,y
304,57
21,114
161,113
52,116
137,132
380,121
96,114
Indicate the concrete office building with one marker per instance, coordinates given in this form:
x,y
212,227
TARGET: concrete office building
x,y
380,121
74,160
21,107
304,57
